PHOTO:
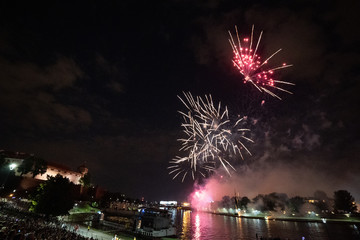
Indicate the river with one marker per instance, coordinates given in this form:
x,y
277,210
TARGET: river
x,y
200,225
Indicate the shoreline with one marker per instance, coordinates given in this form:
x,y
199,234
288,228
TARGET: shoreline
x,y
292,219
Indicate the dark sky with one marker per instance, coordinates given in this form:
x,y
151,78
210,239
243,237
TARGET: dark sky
x,y
97,82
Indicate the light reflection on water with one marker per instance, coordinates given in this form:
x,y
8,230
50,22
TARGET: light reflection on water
x,y
199,226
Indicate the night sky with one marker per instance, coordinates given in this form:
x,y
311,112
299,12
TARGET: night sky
x,y
97,82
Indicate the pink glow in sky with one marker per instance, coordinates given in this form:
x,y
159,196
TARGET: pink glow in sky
x,y
201,198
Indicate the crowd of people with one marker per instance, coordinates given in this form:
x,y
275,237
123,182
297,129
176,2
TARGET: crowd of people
x,y
18,225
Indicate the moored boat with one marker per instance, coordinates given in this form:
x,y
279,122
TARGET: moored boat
x,y
154,223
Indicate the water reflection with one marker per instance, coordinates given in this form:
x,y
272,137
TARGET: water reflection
x,y
267,223
186,224
199,225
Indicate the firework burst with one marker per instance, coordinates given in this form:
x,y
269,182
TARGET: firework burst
x,y
250,65
210,138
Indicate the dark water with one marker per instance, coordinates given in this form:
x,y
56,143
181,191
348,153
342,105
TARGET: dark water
x,y
198,225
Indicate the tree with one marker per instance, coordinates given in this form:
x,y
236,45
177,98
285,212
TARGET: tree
x,y
320,195
33,165
85,180
6,175
226,202
295,204
4,171
322,202
3,160
278,199
344,201
25,166
244,202
40,167
322,206
53,197
270,202
259,203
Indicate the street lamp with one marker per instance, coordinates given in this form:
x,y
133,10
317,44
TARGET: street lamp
x,y
12,166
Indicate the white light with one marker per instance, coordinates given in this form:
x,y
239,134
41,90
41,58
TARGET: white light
x,y
168,203
12,166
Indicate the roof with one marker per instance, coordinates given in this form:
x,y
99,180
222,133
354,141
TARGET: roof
x,y
59,166
22,155
18,155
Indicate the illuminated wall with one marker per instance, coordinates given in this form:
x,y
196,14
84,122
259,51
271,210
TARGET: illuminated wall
x,y
52,171
74,177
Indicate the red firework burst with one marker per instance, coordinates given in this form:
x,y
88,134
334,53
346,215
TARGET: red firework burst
x,y
250,65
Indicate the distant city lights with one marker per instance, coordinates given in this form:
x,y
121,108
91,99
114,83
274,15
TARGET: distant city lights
x,y
168,203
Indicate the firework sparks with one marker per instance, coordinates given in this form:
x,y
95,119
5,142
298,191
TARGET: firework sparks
x,y
210,139
250,65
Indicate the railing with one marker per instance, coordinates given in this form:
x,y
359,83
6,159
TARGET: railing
x,y
82,231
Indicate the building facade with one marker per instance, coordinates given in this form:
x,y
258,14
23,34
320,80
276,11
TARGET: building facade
x,y
15,159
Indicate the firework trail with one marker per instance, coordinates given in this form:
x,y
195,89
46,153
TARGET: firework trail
x,y
252,68
210,138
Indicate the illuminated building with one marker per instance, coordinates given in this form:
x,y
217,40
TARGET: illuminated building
x,y
168,203
52,168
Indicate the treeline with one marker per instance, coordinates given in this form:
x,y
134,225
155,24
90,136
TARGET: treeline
x,y
341,202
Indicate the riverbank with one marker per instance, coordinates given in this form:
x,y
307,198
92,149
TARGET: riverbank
x,y
98,234
294,219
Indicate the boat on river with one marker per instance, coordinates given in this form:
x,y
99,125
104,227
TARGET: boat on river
x,y
154,223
